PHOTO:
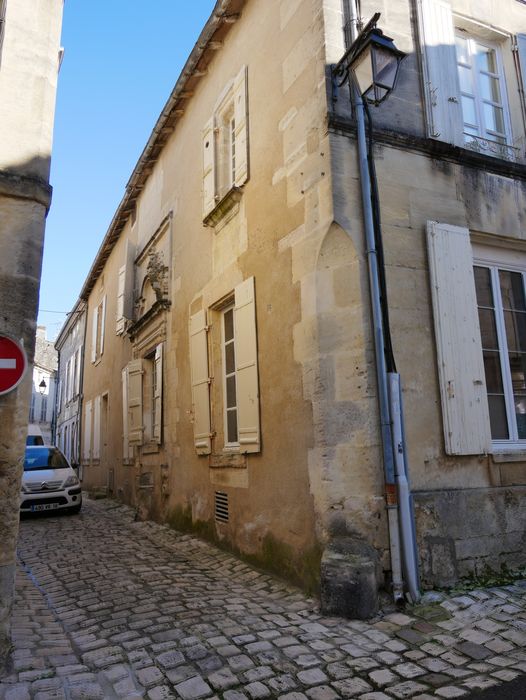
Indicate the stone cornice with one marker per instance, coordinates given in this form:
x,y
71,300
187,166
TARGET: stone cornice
x,y
25,187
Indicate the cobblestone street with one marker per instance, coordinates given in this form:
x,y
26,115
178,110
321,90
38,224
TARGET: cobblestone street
x,y
112,608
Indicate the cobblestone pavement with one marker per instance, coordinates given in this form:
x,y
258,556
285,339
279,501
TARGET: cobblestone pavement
x,y
111,608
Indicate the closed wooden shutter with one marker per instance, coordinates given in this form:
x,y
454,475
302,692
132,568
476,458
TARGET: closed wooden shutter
x,y
200,382
102,325
241,126
120,299
95,453
441,83
459,347
247,388
127,449
135,417
129,281
86,445
78,371
158,394
209,175
94,323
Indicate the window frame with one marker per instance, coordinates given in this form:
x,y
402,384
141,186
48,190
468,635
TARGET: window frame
x,y
484,134
496,261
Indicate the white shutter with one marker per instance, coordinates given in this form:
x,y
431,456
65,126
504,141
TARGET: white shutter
x,y
120,299
86,446
129,282
102,324
241,130
441,83
158,394
521,53
200,382
459,347
209,175
127,449
135,418
96,428
94,323
247,388
79,369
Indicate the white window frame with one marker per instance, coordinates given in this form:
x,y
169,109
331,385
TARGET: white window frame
x,y
228,445
496,260
484,133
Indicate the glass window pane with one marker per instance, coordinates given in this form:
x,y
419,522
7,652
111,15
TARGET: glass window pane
x,y
520,414
461,45
497,417
229,324
483,286
493,372
231,391
464,74
515,330
230,364
231,419
488,329
489,88
468,110
493,117
518,372
512,290
485,58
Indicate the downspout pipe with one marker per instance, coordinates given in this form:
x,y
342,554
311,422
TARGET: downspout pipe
x,y
378,331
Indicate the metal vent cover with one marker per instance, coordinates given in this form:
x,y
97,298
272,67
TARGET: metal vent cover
x,y
221,507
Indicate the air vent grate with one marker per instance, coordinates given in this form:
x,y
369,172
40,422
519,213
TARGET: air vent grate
x,y
221,507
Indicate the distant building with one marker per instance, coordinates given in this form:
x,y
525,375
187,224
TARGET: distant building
x,y
70,347
29,64
43,393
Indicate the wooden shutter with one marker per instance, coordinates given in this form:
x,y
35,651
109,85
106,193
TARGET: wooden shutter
x,y
247,387
96,428
94,323
241,129
129,281
102,324
86,447
135,418
521,56
200,382
209,175
459,347
120,299
158,394
441,83
127,450
78,372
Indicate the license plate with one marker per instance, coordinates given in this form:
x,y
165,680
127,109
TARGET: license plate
x,y
45,506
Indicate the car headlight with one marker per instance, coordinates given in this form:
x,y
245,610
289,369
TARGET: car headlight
x,y
71,481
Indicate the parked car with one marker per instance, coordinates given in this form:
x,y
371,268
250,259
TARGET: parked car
x,y
49,482
34,435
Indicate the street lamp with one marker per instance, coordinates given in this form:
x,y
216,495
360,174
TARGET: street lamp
x,y
370,67
42,387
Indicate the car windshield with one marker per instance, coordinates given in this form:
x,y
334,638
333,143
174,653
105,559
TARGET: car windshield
x,y
44,458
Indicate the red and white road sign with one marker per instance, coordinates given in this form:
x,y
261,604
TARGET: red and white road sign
x,y
13,363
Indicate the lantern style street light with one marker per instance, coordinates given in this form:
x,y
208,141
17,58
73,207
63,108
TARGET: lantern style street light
x,y
42,387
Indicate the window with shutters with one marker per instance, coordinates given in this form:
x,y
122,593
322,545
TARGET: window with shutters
x,y
97,335
501,300
125,290
224,374
225,150
143,402
464,82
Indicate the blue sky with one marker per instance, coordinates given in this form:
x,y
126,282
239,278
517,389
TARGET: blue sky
x,y
122,59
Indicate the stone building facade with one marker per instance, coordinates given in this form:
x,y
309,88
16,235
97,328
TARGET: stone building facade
x,y
70,346
29,64
229,380
42,409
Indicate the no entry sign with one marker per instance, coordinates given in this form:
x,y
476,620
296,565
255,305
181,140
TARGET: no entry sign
x,y
13,364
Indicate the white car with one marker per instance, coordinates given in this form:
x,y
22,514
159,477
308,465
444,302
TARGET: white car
x,y
49,482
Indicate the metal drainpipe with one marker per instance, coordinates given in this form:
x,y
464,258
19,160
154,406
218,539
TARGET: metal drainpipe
x,y
379,340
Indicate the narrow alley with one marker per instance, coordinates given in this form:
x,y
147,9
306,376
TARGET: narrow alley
x,y
108,607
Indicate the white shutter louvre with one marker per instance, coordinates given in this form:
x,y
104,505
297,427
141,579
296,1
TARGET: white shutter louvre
x,y
94,323
158,394
241,126
459,347
135,418
86,446
247,386
102,324
200,383
96,428
120,299
441,83
209,175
